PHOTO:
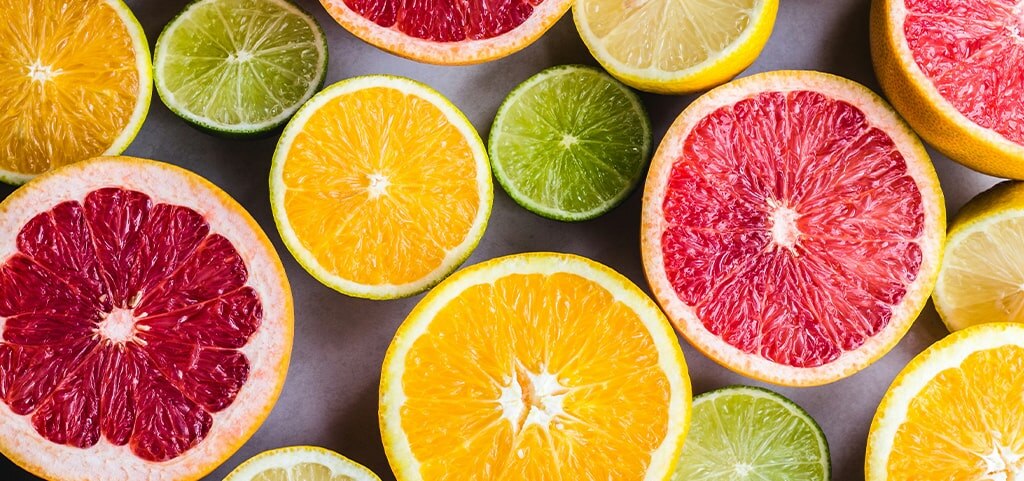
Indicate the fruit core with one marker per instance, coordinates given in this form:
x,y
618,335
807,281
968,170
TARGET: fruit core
x,y
785,231
1003,464
118,327
378,185
41,73
532,399
446,21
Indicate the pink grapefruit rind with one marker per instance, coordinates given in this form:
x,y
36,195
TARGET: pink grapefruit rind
x,y
653,225
268,350
466,52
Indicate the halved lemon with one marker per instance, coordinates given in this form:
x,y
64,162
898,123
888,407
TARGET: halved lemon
x,y
300,463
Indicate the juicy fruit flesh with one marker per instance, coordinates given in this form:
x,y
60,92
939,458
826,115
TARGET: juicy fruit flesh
x,y
973,52
443,21
667,35
123,318
793,226
985,270
302,472
68,82
239,62
965,423
562,382
380,186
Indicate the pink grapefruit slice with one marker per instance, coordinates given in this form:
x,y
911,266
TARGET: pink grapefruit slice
x,y
448,33
792,226
146,323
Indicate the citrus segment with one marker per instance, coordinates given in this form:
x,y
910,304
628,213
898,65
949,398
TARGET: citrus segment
x,y
69,90
791,226
576,374
300,463
380,187
134,318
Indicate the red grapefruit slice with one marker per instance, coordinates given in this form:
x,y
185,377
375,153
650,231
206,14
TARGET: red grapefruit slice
x,y
146,323
448,33
792,226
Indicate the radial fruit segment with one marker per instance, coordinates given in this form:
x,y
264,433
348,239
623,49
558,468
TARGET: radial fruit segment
x,y
792,226
575,375
132,323
955,411
75,82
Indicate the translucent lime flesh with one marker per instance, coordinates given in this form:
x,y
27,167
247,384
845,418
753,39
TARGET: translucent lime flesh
x,y
240,65
570,143
743,433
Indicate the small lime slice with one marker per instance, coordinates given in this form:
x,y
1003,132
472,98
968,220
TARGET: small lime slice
x,y
239,67
570,143
748,433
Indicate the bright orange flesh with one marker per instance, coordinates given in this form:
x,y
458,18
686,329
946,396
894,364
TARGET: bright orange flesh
x,y
68,82
380,186
529,339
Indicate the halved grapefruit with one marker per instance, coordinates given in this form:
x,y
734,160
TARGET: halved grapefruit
x,y
448,33
792,226
955,71
146,323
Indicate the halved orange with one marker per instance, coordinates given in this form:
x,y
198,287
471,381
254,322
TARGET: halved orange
x,y
535,366
75,82
380,187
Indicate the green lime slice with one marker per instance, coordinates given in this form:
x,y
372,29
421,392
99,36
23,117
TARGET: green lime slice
x,y
239,67
746,433
570,143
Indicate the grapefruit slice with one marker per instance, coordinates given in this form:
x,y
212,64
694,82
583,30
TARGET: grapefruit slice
x,y
792,226
535,366
146,323
448,33
954,71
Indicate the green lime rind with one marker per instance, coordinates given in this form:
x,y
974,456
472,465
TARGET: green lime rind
x,y
570,143
745,432
239,68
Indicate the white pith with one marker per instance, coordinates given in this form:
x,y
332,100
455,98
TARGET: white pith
x,y
785,232
41,73
529,399
118,327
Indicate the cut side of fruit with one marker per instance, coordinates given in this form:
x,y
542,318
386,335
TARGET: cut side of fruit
x,y
300,463
954,412
380,187
744,432
239,67
570,143
146,323
75,82
792,226
575,375
672,47
452,33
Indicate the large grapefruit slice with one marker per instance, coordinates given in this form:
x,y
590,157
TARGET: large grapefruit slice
x,y
448,33
955,71
792,226
146,323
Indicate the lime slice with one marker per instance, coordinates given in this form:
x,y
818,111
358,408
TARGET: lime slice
x,y
570,143
300,463
748,433
239,67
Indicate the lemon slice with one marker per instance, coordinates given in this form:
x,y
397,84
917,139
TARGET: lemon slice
x,y
301,463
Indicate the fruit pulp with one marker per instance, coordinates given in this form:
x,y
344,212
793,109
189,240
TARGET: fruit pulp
x,y
444,21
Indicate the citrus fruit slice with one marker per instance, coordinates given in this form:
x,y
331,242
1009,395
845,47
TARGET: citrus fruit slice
x,y
574,374
380,187
146,323
239,67
300,463
570,143
744,432
982,278
952,69
954,412
75,82
448,33
792,226
672,47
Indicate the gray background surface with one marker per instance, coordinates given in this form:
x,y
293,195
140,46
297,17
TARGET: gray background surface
x,y
330,397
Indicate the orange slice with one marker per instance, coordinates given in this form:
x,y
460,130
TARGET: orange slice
x,y
75,82
535,366
380,187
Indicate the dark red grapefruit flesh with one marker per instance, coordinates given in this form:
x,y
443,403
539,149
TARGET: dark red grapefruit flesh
x,y
973,52
792,227
446,20
83,264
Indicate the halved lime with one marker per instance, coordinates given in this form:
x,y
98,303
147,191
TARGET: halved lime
x,y
748,433
570,143
239,67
